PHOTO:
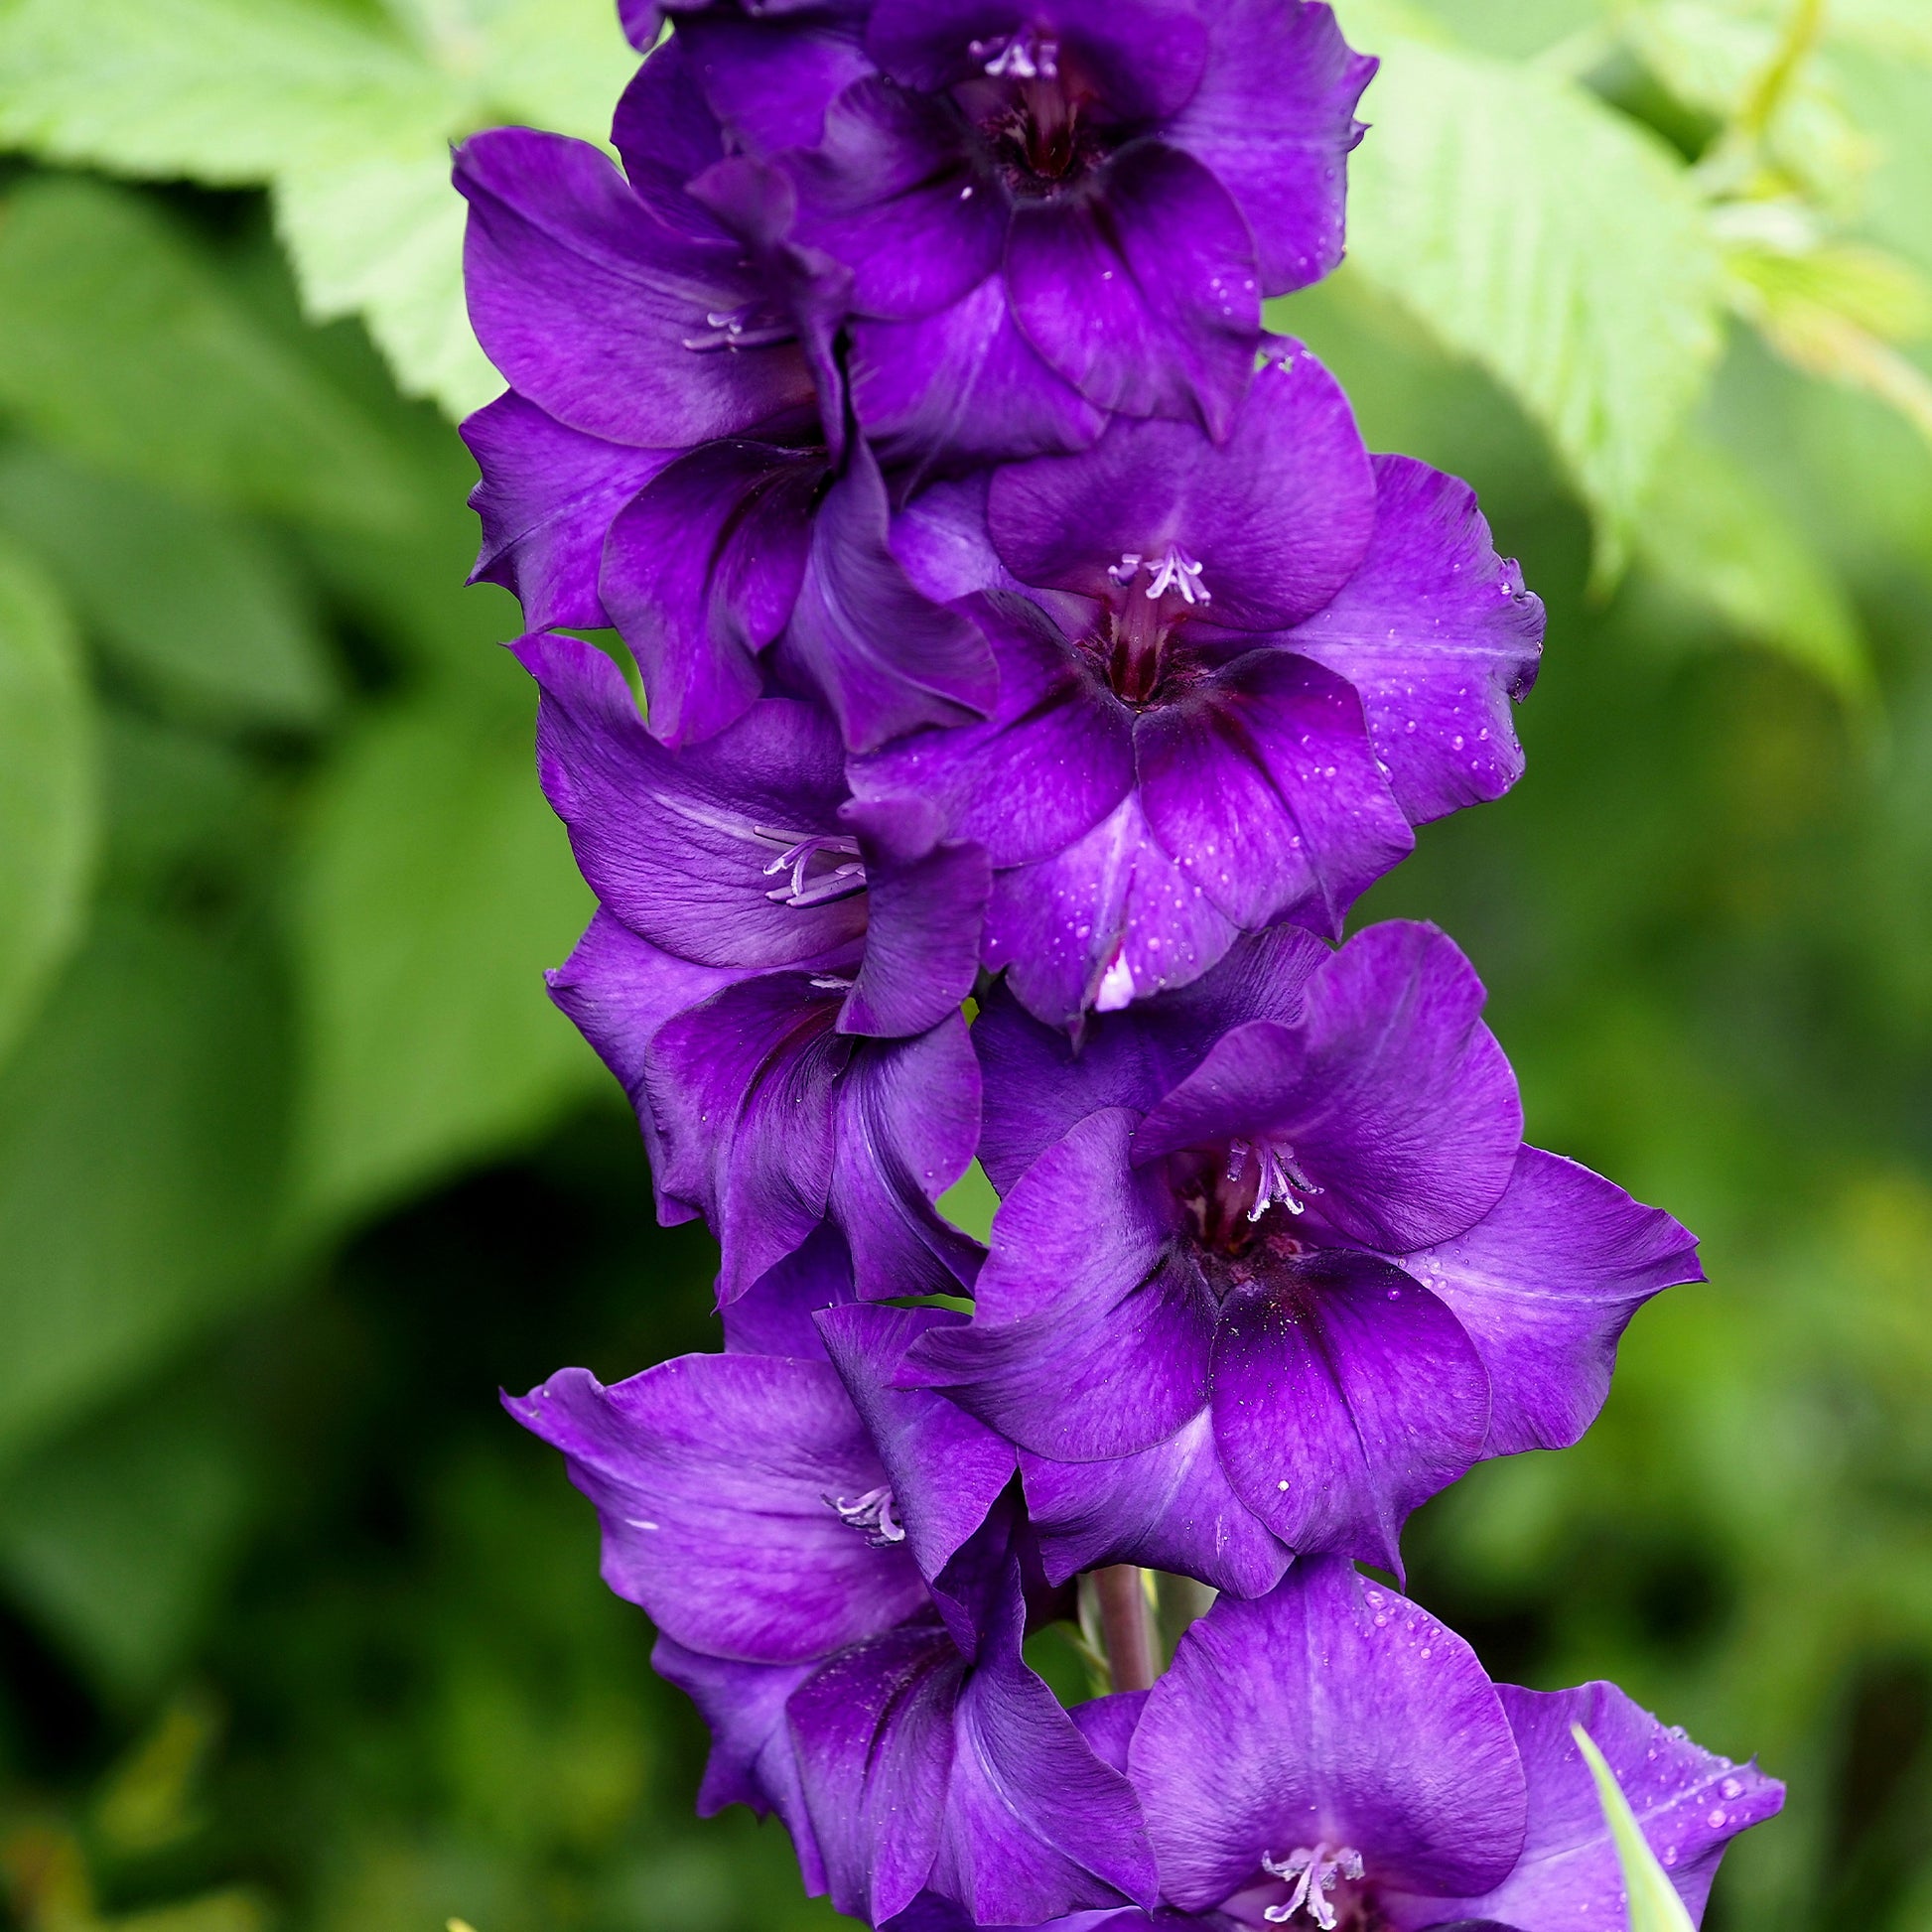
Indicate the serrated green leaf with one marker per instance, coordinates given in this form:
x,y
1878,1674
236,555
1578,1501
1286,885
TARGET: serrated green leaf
x,y
435,890
49,789
222,92
1551,240
140,1156
197,607
1650,1900
1720,540
380,236
122,349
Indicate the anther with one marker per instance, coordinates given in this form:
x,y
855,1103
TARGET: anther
x,y
1025,55
1177,571
1315,1872
875,1515
841,882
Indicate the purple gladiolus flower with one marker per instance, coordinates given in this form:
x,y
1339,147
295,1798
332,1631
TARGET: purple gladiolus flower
x,y
1053,210
1330,1755
774,973
850,1629
1272,1264
673,458
1330,1758
1242,673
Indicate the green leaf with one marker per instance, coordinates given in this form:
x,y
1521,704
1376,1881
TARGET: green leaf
x,y
970,1203
195,605
140,1158
350,124
380,236
50,792
120,349
115,1539
1551,240
1650,1898
1719,538
435,889
222,92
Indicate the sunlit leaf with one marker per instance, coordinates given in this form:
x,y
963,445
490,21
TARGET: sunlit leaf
x,y
1553,240
120,347
49,788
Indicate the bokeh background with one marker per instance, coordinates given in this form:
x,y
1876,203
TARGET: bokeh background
x,y
297,1166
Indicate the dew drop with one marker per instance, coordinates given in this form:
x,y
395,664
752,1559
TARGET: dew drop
x,y
1731,1788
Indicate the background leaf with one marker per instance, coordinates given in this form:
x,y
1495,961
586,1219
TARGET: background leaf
x,y
197,607
119,348
436,887
1651,1903
1549,239
49,801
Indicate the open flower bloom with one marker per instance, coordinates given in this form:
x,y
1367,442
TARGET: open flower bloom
x,y
1272,1264
775,974
1331,1759
1242,672
850,1629
673,457
1331,1756
1051,210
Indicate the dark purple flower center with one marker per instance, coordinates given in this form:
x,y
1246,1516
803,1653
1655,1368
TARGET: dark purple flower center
x,y
1029,107
825,866
875,1515
1156,593
1245,1201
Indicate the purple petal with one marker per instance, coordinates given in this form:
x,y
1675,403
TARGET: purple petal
x,y
1107,1724
1545,1285
1039,1084
584,301
778,1314
1396,1100
1168,1507
873,1734
1090,1330
666,136
641,22
1689,1804
1329,1711
1141,292
752,1760
922,939
701,573
892,192
886,660
1262,782
669,841
922,1773
745,1090
908,1113
1142,58
618,990
1344,1395
1275,118
547,497
770,81
947,1469
718,1482
1054,760
963,386
1109,921
940,538
1279,515
1439,636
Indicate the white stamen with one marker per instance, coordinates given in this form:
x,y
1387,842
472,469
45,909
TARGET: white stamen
x,y
1316,1872
875,1514
1116,988
1124,572
1279,1180
1025,55
797,858
754,326
1177,571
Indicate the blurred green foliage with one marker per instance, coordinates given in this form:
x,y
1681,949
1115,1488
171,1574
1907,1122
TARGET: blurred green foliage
x,y
297,1165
